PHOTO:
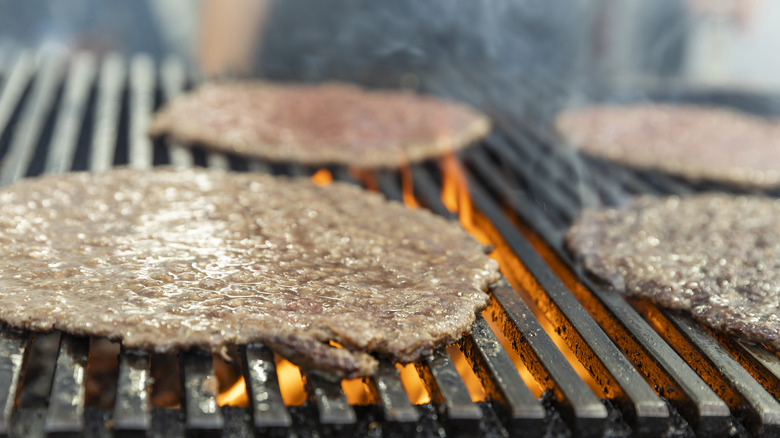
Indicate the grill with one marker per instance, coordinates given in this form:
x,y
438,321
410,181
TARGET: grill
x,y
651,372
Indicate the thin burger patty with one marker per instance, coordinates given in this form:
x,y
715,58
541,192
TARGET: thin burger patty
x,y
165,259
320,124
695,142
715,255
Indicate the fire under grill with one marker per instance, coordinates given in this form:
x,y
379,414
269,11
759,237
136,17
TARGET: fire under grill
x,y
555,354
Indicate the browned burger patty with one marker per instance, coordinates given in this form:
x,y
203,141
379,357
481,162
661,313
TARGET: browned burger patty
x,y
698,143
716,256
174,259
320,124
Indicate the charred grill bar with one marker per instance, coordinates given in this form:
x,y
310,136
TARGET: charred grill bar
x,y
661,372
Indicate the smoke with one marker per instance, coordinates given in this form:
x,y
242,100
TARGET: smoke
x,y
486,52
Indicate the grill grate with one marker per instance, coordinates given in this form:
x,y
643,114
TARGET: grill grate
x,y
81,113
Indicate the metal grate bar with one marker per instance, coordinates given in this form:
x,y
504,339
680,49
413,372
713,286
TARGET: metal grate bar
x,y
582,409
174,80
13,345
667,184
65,416
647,411
202,414
262,384
109,106
341,173
426,189
30,126
700,405
296,170
448,391
71,114
767,362
396,407
501,380
15,86
335,414
142,89
216,160
258,166
132,417
388,183
761,410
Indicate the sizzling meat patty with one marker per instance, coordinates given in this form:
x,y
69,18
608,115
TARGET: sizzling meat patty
x,y
169,259
716,256
698,143
320,124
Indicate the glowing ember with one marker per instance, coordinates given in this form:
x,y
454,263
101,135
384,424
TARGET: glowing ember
x,y
322,177
235,396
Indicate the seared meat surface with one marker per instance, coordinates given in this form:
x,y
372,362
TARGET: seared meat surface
x,y
695,142
320,124
716,256
166,259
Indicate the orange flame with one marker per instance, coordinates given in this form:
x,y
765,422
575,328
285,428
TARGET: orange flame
x,y
455,195
290,382
413,384
473,384
322,177
235,396
365,177
407,184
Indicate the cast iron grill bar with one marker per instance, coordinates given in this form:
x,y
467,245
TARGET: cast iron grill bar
x,y
70,114
334,413
296,170
65,416
582,409
262,383
448,392
216,160
30,126
396,407
542,193
202,414
142,90
132,417
588,341
762,411
258,166
701,406
767,362
510,195
13,345
387,182
501,380
426,189
107,115
173,81
14,88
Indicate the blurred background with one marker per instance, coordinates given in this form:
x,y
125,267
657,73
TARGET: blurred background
x,y
493,53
